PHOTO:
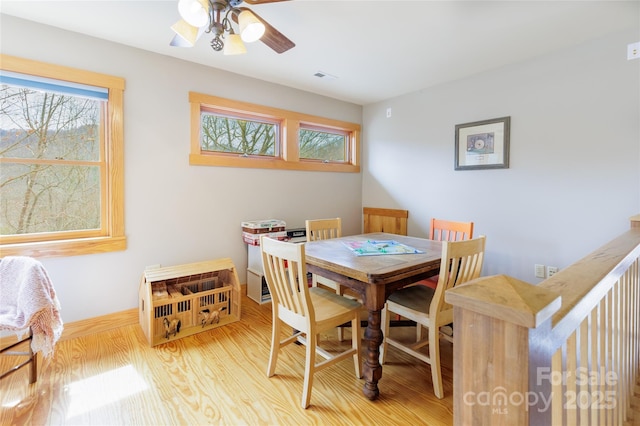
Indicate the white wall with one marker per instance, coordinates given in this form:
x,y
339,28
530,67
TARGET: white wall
x,y
176,213
574,176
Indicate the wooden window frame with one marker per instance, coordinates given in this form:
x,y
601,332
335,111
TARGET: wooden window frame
x,y
113,238
289,149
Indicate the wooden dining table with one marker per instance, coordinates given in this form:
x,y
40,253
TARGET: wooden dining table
x,y
373,278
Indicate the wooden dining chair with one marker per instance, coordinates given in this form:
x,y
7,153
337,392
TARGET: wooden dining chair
x,y
392,221
309,311
461,262
444,230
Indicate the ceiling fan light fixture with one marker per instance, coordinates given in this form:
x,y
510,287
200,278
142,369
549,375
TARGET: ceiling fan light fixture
x,y
194,12
186,34
251,29
220,18
234,45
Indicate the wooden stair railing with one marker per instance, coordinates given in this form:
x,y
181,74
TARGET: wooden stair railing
x,y
566,351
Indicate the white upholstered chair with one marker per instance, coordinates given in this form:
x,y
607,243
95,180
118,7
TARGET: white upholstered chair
x,y
30,309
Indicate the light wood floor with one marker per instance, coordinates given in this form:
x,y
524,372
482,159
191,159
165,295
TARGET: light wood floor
x,y
215,377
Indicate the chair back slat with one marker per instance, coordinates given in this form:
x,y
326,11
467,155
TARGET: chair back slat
x,y
392,221
463,260
285,271
323,229
447,230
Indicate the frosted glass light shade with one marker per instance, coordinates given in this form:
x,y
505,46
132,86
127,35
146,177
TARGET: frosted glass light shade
x,y
194,12
186,34
234,45
251,29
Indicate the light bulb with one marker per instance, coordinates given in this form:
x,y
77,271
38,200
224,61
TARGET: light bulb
x,y
251,29
234,45
195,12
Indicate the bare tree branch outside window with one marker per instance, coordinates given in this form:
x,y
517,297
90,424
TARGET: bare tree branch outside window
x,y
319,145
221,133
227,134
50,148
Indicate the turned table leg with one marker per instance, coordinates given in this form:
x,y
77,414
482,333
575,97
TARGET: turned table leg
x,y
372,370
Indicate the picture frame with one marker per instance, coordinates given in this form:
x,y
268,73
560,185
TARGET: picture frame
x,y
483,144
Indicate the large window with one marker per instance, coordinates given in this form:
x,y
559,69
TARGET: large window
x,y
239,134
61,187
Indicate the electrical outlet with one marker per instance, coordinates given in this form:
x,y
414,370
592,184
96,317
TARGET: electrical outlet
x,y
539,271
552,270
633,51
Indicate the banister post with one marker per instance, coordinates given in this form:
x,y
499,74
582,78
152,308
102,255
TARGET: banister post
x,y
635,221
502,359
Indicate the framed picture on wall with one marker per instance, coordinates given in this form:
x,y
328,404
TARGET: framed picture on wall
x,y
483,144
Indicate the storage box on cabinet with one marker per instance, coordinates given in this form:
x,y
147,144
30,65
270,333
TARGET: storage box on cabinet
x,y
178,301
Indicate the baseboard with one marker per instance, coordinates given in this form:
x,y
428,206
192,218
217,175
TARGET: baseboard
x,y
106,322
99,324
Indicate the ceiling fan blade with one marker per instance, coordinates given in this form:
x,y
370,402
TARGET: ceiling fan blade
x,y
254,2
272,37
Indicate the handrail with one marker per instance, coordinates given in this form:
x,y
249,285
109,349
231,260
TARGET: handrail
x,y
562,352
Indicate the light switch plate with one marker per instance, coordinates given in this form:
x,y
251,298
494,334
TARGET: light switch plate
x,y
539,271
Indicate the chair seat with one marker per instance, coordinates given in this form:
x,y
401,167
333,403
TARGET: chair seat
x,y
429,282
329,305
417,298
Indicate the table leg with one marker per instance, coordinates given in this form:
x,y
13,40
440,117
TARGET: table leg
x,y
372,370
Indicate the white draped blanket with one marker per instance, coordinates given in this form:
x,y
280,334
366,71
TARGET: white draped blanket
x,y
27,299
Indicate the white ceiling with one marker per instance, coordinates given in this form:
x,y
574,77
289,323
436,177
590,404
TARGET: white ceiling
x,y
376,49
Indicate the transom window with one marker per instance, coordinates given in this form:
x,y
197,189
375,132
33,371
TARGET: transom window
x,y
238,134
225,133
317,143
61,157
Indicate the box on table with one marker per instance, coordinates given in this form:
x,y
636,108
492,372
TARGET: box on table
x,y
197,296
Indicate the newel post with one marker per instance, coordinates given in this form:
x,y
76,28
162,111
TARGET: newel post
x,y
635,221
502,357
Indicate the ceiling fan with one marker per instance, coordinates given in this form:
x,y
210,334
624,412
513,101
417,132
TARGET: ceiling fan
x,y
216,16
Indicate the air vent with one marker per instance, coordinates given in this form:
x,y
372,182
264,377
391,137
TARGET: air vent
x,y
324,75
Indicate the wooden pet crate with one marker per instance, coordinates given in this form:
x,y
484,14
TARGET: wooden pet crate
x,y
197,296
